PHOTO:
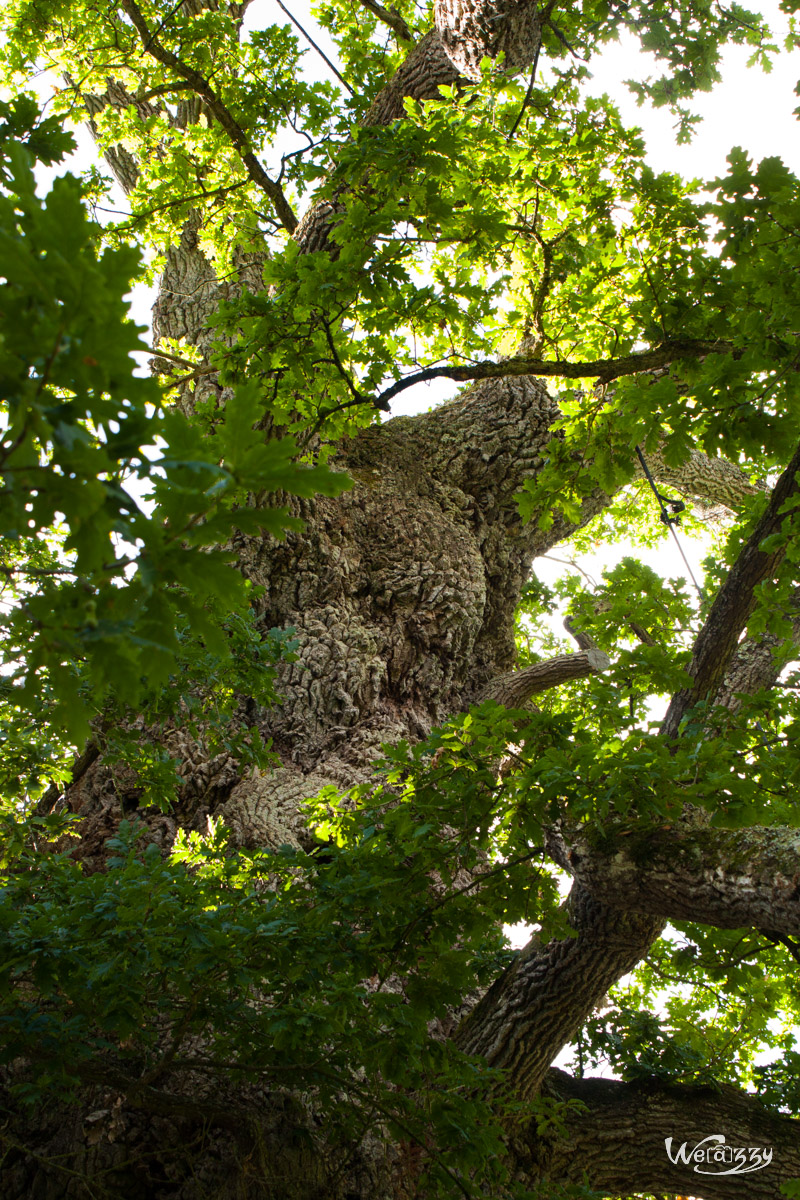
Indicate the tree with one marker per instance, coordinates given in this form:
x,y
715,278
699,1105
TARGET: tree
x,y
274,778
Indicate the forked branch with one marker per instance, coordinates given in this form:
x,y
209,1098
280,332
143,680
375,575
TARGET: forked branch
x,y
215,106
389,16
729,878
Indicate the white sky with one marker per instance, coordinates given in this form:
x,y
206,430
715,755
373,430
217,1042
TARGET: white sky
x,y
748,108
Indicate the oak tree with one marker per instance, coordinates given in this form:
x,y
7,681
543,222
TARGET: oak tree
x,y
288,737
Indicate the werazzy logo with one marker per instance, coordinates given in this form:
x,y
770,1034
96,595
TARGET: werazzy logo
x,y
713,1157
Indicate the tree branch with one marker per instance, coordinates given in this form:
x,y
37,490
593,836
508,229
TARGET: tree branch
x,y
390,17
615,1133
425,70
734,603
494,436
730,878
756,664
237,1119
710,480
538,1005
603,369
122,162
472,30
80,766
215,106
514,688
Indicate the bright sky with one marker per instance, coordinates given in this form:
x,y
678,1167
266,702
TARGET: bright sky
x,y
748,108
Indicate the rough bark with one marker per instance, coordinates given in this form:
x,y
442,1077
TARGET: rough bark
x,y
532,1011
736,600
730,878
756,663
464,35
401,593
501,30
731,487
516,687
617,1136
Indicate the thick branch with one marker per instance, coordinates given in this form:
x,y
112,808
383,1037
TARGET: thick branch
x,y
514,688
537,1006
709,480
730,878
617,1136
494,436
238,1120
756,664
123,164
734,604
215,106
425,70
504,31
80,766
465,34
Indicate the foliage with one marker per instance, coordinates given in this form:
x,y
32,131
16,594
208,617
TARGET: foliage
x,y
111,507
237,951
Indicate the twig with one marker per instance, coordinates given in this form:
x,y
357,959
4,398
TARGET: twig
x,y
569,562
167,17
164,89
185,362
560,35
198,374
135,219
331,412
33,572
528,94
358,396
